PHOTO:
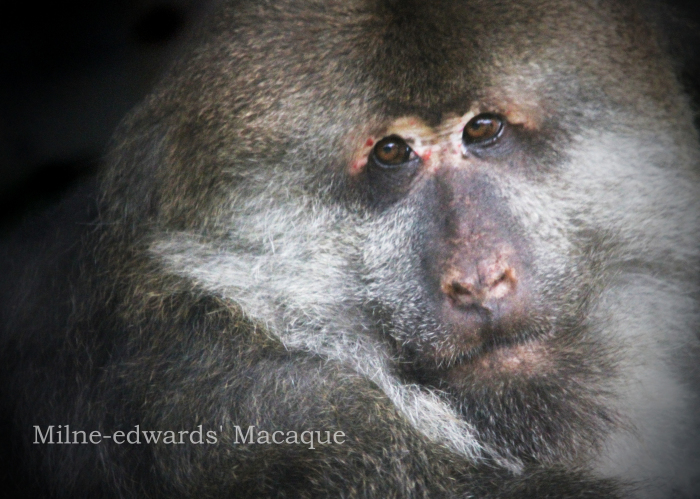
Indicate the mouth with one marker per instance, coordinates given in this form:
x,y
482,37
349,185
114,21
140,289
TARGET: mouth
x,y
495,342
526,358
489,366
486,355
466,345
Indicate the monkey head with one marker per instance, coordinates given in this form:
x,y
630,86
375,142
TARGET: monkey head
x,y
450,198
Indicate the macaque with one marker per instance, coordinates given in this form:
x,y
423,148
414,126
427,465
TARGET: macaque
x,y
373,249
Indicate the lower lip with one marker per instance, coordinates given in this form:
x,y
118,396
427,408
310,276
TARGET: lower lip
x,y
523,359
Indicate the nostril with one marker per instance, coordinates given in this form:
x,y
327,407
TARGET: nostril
x,y
501,285
492,282
463,290
500,279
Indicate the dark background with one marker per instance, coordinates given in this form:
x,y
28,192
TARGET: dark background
x,y
69,71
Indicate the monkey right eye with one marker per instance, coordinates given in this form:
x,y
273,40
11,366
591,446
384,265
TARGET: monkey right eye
x,y
483,130
391,152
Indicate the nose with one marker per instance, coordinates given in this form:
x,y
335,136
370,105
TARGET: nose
x,y
486,283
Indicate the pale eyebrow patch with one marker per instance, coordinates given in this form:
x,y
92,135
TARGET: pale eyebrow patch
x,y
452,127
417,134
446,138
414,131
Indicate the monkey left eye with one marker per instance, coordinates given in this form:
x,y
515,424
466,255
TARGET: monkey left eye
x,y
483,129
391,151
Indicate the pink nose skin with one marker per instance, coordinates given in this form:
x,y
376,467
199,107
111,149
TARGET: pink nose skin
x,y
482,285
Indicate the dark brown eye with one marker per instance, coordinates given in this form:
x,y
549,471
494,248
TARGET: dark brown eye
x,y
392,151
483,129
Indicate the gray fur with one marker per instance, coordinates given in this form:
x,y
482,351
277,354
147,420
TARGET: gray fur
x,y
238,271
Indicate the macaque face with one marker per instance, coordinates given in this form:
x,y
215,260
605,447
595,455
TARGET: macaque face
x,y
475,264
473,273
